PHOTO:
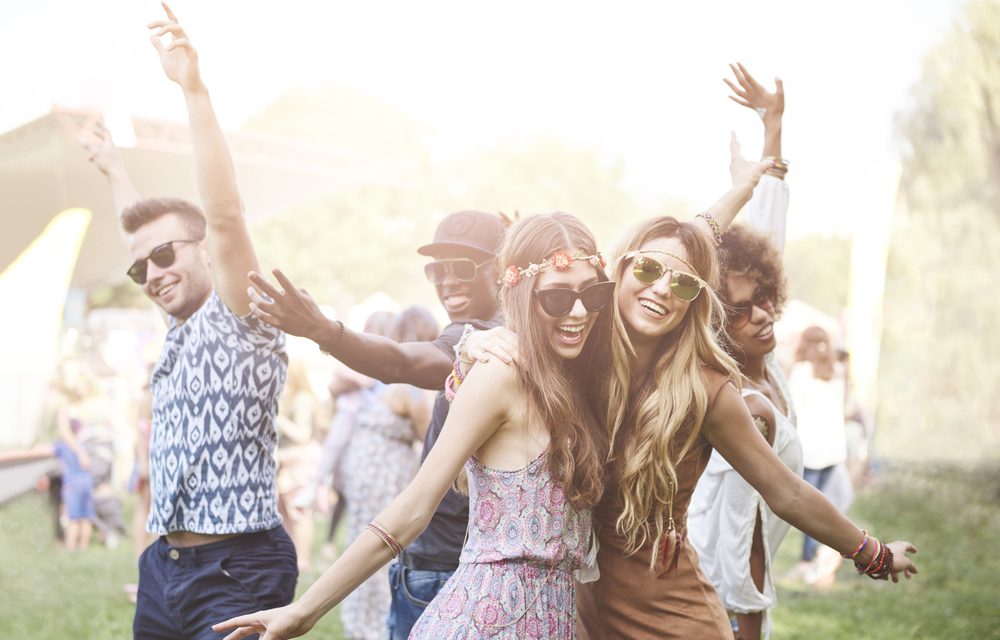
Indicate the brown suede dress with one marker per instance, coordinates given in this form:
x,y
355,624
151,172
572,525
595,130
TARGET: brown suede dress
x,y
628,601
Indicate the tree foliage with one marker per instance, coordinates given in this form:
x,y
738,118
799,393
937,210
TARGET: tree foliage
x,y
547,175
817,268
951,135
358,239
940,374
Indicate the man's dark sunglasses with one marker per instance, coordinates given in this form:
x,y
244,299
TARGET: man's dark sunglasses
x,y
737,315
464,269
559,302
162,255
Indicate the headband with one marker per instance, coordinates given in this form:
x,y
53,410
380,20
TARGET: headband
x,y
560,261
632,254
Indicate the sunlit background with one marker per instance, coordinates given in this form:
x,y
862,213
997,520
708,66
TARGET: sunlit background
x,y
356,126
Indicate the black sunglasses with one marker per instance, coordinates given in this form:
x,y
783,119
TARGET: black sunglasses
x,y
737,315
162,255
464,269
559,302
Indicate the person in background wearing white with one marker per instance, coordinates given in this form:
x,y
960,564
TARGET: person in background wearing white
x,y
818,391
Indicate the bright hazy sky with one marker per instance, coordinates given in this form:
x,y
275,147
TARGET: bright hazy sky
x,y
638,81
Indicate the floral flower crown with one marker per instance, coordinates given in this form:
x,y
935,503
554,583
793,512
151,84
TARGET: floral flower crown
x,y
560,261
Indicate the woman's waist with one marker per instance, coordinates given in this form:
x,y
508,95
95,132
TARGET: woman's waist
x,y
529,564
608,513
567,549
611,538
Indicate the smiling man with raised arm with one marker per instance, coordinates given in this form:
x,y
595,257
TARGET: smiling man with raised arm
x,y
215,386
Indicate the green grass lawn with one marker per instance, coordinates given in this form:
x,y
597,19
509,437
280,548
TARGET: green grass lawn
x,y
47,593
953,516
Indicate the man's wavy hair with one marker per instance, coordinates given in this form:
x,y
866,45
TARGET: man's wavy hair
x,y
669,407
566,395
145,211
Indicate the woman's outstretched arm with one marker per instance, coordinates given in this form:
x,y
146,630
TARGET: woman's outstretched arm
x,y
476,413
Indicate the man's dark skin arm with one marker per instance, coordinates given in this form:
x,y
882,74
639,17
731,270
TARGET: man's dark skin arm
x,y
294,311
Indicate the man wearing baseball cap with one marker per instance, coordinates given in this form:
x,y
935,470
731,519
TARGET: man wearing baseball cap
x,y
464,274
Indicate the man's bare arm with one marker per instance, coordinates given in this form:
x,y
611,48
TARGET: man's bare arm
x,y
294,311
108,159
229,246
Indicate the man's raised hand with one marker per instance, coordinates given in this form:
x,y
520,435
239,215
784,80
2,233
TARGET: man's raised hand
x,y
178,57
101,150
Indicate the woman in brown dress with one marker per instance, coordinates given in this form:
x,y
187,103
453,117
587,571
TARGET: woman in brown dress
x,y
673,399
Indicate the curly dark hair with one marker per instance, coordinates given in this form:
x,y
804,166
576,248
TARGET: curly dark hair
x,y
751,254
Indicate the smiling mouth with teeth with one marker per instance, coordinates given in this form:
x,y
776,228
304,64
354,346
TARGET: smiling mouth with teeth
x,y
652,306
571,329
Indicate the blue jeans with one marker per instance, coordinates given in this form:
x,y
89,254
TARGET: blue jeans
x,y
412,591
183,591
818,479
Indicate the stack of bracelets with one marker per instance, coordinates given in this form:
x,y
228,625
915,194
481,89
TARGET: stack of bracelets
x,y
453,381
779,169
386,537
880,565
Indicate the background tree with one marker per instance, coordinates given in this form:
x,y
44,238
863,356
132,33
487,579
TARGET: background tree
x,y
362,238
940,370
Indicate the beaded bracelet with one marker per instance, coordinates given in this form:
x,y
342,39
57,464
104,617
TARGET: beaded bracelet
x,y
861,547
456,368
467,331
336,343
884,568
386,537
873,561
716,230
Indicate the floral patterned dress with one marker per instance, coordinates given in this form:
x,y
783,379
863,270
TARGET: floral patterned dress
x,y
377,465
516,572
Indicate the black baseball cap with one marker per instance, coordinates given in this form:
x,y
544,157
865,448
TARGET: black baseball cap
x,y
482,232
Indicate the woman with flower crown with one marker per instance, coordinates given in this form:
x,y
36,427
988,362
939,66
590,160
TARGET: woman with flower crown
x,y
531,441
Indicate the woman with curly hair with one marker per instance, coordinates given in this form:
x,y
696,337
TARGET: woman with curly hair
x,y
733,530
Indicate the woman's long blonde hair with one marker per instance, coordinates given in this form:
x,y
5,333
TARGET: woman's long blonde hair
x,y
566,395
668,405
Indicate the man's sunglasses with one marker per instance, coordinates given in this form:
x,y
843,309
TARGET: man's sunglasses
x,y
162,256
464,269
683,285
559,302
737,315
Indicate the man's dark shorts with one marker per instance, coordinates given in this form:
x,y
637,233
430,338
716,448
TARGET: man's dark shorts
x,y
184,591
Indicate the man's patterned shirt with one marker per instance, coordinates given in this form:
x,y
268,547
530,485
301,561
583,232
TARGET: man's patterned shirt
x,y
215,398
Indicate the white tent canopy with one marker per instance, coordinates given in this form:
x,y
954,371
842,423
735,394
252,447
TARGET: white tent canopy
x,y
44,170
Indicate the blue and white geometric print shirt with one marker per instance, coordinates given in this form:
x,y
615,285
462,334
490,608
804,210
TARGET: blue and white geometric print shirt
x,y
215,398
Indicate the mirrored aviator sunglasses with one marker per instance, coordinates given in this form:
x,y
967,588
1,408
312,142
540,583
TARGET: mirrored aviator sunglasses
x,y
162,256
464,269
683,285
559,302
